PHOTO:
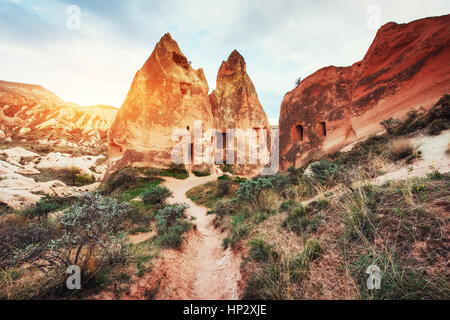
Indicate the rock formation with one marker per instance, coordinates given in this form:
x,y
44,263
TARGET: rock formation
x,y
166,94
405,68
234,102
33,113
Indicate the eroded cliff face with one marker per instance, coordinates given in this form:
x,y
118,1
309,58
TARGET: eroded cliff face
x,y
235,102
32,113
166,94
405,68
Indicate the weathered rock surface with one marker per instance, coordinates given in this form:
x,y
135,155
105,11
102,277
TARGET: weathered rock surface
x,y
18,167
33,113
405,68
166,94
235,102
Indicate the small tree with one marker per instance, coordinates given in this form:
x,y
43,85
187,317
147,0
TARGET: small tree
x,y
298,81
93,223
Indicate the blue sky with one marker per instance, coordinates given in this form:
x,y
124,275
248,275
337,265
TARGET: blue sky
x,y
280,40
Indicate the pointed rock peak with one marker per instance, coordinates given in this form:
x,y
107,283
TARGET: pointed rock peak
x,y
167,42
235,55
234,62
167,36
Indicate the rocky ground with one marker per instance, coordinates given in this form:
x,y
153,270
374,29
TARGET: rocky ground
x,y
22,182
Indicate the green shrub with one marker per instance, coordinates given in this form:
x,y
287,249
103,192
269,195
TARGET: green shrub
x,y
95,222
298,221
240,228
260,251
250,190
156,195
121,180
177,171
324,170
73,173
169,216
301,264
226,168
201,173
435,175
43,207
172,237
83,179
287,205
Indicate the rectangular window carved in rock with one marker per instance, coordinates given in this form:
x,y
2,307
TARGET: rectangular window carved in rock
x,y
299,131
322,129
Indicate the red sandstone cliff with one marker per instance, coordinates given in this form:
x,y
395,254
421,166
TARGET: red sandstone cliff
x,y
407,66
166,94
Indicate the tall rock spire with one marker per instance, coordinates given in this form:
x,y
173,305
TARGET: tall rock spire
x,y
234,102
166,94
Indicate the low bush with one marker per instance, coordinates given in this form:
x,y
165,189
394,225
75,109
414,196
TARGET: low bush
x,y
324,170
156,195
437,126
83,179
121,180
177,171
260,251
223,188
401,149
43,207
201,173
299,221
250,190
171,223
169,216
224,208
15,237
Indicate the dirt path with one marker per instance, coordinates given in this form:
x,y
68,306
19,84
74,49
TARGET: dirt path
x,y
202,269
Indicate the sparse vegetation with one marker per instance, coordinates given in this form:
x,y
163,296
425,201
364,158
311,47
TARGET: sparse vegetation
x,y
401,149
171,223
175,171
156,196
201,173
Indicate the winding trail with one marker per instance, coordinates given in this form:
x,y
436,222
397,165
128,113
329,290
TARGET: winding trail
x,y
201,269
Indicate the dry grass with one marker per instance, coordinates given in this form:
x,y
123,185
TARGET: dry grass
x,y
401,227
401,148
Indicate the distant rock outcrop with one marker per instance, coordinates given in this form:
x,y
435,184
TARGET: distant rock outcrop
x,y
33,113
406,67
166,94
